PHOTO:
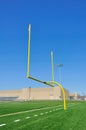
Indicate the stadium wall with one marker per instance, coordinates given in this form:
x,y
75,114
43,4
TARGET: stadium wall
x,y
25,94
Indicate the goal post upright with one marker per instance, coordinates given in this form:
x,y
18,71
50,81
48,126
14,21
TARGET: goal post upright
x,y
28,64
52,63
50,83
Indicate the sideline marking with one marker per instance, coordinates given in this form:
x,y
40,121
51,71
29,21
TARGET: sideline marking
x,y
17,120
2,125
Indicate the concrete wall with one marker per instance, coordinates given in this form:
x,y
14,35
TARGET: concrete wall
x,y
44,93
48,93
11,93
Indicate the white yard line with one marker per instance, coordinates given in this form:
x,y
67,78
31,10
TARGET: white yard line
x,y
27,117
16,113
41,113
17,120
10,114
35,115
2,125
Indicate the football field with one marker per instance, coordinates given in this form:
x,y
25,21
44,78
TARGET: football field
x,y
42,115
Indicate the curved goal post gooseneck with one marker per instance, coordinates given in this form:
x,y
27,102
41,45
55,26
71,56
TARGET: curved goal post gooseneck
x,y
63,91
50,83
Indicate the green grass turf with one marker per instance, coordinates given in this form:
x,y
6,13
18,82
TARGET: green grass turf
x,y
74,118
11,107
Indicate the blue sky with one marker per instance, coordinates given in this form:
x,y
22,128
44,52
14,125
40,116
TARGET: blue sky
x,y
59,26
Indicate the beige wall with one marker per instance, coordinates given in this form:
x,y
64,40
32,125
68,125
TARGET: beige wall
x,y
11,93
48,93
45,93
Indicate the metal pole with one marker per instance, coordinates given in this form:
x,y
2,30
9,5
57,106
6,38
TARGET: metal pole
x,y
28,65
52,61
29,93
60,72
